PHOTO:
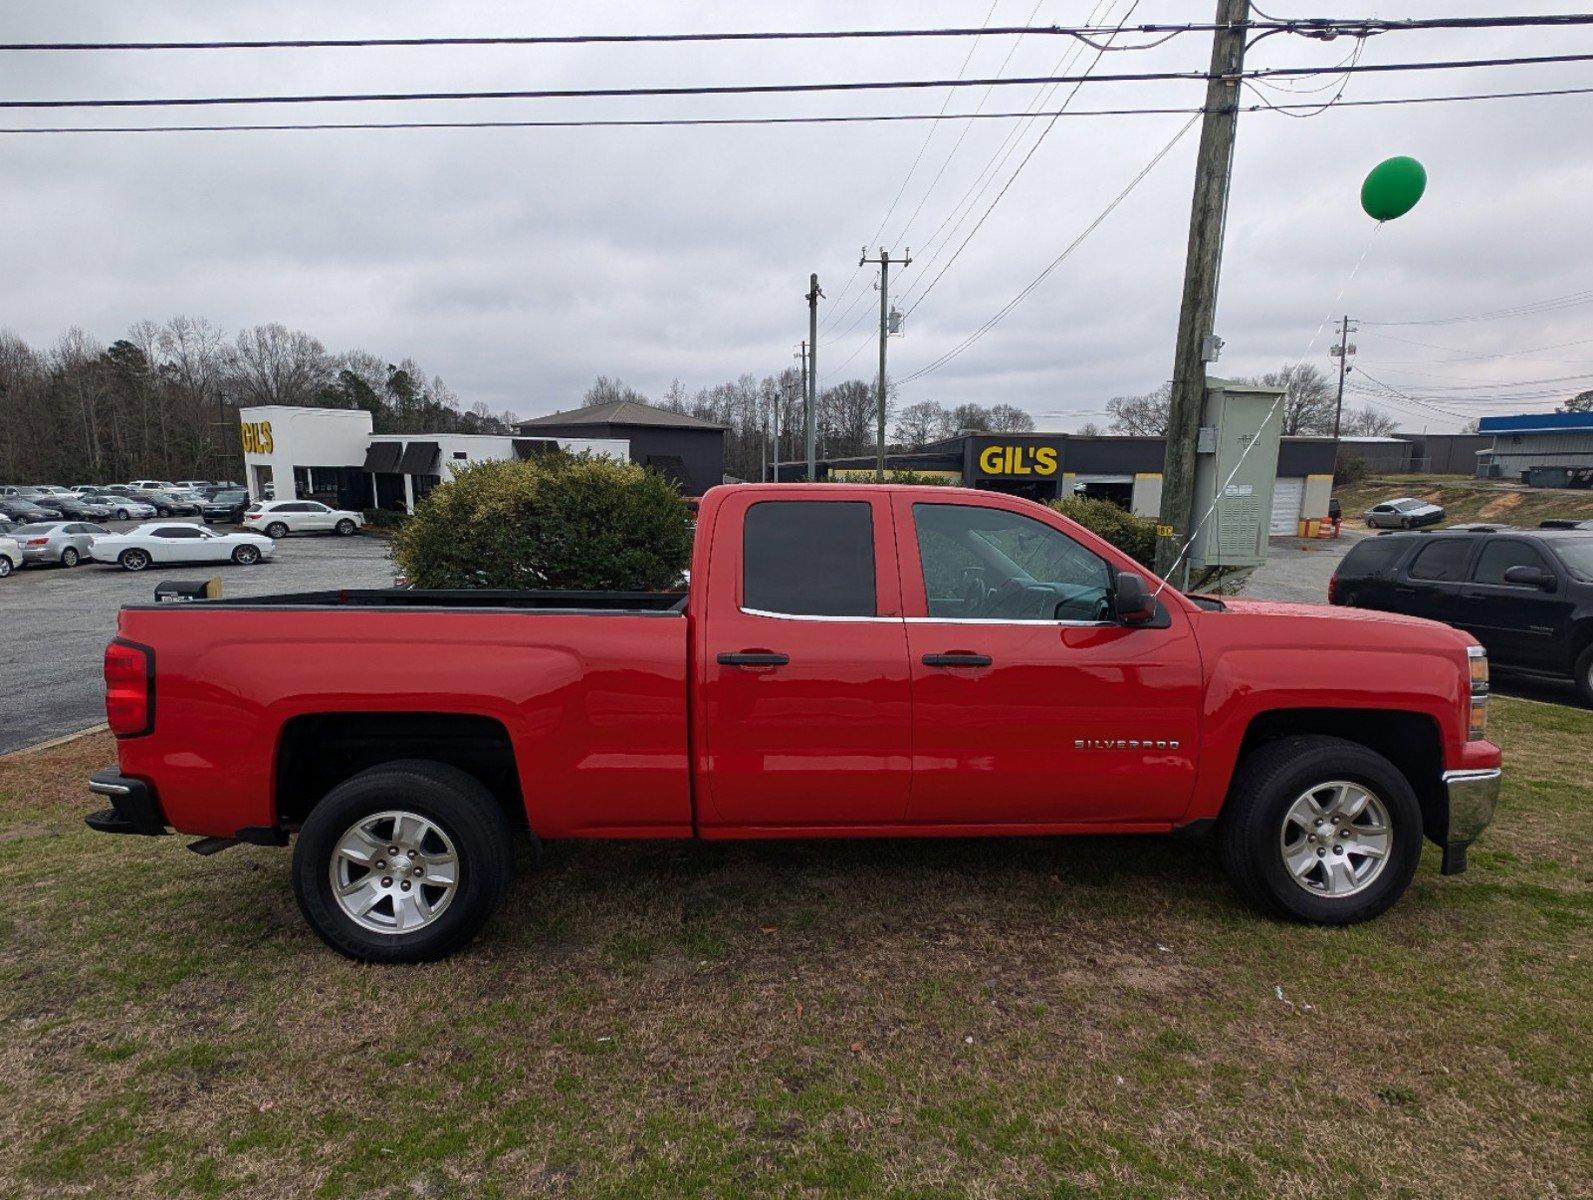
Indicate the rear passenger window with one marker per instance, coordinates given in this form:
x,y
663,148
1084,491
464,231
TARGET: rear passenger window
x,y
1373,555
1498,557
1442,561
809,558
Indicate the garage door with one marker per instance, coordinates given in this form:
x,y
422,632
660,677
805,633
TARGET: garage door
x,y
1287,495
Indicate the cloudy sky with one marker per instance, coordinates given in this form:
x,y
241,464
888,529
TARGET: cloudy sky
x,y
520,263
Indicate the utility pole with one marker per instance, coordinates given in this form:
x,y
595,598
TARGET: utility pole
x,y
810,417
884,261
1202,267
1342,352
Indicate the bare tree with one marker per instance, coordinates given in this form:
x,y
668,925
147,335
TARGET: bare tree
x,y
1144,415
919,424
1006,418
1580,403
1089,429
272,364
608,391
1308,400
1367,422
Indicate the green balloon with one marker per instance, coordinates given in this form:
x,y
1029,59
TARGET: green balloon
x,y
1393,188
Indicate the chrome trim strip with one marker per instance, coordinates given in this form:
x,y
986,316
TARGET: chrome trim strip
x,y
109,789
758,612
774,616
1473,796
1473,776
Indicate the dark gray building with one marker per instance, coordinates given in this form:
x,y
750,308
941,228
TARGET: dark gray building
x,y
686,449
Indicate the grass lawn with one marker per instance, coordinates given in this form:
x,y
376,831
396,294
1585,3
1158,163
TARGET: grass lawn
x,y
1091,1018
1466,499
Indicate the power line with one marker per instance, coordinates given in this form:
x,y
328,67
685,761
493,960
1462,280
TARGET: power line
x,y
853,119
1532,308
764,89
1324,28
1013,178
1002,312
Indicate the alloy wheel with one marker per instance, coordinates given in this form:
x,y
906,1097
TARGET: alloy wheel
x,y
394,872
1336,839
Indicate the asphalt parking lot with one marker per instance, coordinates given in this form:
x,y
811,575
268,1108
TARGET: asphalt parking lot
x,y
54,622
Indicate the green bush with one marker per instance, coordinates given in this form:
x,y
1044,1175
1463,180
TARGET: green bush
x,y
384,518
1349,468
559,522
1135,536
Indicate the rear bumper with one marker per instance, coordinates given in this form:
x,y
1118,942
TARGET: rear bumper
x,y
1473,795
134,806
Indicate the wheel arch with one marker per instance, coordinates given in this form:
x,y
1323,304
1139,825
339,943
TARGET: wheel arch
x,y
1412,741
318,751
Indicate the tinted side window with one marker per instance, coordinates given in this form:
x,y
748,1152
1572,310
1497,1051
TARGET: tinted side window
x,y
809,558
1372,555
1443,560
177,531
1497,557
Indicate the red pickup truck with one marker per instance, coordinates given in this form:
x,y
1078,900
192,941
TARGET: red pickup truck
x,y
849,661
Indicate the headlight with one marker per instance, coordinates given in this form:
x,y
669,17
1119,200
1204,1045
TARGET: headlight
x,y
1477,657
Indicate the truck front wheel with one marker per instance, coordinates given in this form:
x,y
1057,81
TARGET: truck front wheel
x,y
402,863
1320,829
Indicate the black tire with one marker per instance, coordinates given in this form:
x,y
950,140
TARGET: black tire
x,y
1584,675
133,559
5,566
276,530
344,528
246,556
121,514
1268,782
70,557
459,805
162,512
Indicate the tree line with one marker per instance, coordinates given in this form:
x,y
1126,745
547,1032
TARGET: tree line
x,y
163,401
845,423
1308,403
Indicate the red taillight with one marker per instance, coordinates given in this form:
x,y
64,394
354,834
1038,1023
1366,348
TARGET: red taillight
x,y
43,541
129,689
1333,589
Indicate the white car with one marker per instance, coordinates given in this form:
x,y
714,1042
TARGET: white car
x,y
167,542
10,555
278,518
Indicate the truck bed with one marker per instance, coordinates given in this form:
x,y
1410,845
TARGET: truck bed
x,y
566,602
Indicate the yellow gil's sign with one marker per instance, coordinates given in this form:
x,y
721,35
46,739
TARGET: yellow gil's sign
x,y
1018,460
257,437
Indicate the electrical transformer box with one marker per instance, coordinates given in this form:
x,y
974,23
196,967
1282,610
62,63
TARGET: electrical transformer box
x,y
1236,465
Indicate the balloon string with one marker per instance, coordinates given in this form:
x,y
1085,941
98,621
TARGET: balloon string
x,y
1276,405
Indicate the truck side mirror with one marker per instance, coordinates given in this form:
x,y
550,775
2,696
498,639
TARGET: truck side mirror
x,y
1525,576
1132,600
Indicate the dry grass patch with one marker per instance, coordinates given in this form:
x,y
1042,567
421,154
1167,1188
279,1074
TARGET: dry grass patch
x,y
1094,1017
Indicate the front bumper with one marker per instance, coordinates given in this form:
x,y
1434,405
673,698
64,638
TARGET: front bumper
x,y
1473,795
134,806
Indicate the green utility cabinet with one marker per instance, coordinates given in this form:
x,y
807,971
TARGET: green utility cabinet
x,y
1236,465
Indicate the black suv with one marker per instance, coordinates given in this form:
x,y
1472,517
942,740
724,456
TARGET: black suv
x,y
1525,594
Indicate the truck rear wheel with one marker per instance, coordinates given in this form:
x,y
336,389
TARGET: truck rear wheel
x,y
402,863
1320,829
1583,670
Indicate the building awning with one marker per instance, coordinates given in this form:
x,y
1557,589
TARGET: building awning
x,y
531,447
420,458
382,457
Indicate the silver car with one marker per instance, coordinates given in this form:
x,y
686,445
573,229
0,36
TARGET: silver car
x,y
1403,514
56,542
122,508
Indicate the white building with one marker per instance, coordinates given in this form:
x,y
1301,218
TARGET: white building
x,y
331,454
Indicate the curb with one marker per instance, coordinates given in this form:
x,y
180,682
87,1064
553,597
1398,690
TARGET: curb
x,y
54,742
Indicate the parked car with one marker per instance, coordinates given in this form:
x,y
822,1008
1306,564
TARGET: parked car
x,y
122,507
163,544
193,485
1566,523
226,506
78,508
152,485
22,510
1016,675
1403,514
1525,594
24,491
10,554
7,524
65,543
278,518
168,504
